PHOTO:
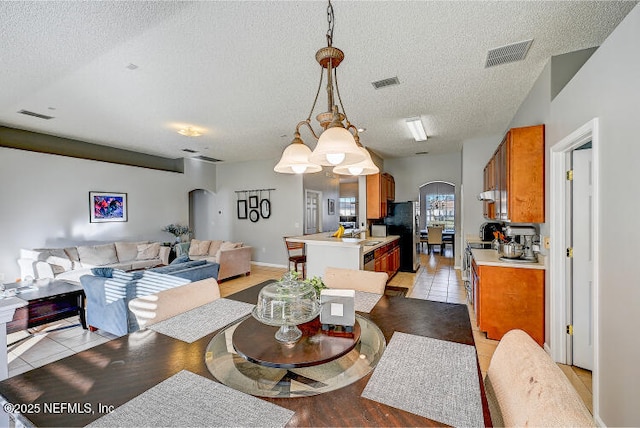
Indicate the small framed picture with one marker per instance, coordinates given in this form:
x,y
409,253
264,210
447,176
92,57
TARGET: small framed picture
x,y
331,209
242,209
253,201
107,207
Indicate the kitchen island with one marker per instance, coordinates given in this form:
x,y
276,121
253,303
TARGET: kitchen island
x,y
324,250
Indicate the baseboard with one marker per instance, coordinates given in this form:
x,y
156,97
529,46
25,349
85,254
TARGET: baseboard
x,y
268,264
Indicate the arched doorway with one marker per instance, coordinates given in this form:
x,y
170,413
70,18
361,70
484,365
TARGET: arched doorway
x,y
201,212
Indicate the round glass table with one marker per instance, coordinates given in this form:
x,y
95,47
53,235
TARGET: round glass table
x,y
234,370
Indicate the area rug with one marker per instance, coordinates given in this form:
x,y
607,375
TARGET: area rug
x,y
432,378
393,291
190,400
365,302
195,324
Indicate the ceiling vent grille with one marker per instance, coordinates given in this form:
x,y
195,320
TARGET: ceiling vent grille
x,y
508,53
391,81
33,114
206,159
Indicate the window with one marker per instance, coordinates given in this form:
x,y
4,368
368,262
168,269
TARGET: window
x,y
347,207
438,205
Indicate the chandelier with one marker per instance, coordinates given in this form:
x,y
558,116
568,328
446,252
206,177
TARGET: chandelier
x,y
338,143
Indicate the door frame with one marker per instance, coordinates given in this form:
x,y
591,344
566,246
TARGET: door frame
x,y
559,287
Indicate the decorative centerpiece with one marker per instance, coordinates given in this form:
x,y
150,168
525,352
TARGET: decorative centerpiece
x,y
177,230
286,304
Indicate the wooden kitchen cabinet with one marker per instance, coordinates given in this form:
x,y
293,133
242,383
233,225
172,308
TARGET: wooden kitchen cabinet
x,y
516,172
381,188
507,298
387,258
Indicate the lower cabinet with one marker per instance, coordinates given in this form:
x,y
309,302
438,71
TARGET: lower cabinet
x,y
508,298
387,258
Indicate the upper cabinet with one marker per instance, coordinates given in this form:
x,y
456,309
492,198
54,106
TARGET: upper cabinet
x,y
515,176
381,188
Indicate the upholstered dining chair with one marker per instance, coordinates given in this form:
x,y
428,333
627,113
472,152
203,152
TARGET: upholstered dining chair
x,y
434,237
361,280
297,254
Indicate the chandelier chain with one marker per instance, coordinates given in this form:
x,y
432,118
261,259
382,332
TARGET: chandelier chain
x,y
330,20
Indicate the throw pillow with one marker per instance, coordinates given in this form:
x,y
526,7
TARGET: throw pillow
x,y
148,251
199,248
104,272
224,246
97,255
214,247
181,259
127,251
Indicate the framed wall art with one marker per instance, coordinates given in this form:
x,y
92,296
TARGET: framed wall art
x,y
253,201
242,209
107,207
331,209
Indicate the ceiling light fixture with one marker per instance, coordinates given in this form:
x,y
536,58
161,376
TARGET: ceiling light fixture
x,y
366,167
189,132
336,143
416,128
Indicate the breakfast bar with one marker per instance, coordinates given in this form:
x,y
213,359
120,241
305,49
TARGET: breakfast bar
x,y
324,250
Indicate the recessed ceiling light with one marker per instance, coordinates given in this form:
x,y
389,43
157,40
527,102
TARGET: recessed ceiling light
x,y
416,128
362,129
189,132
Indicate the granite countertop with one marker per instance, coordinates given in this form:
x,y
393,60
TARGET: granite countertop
x,y
325,238
491,258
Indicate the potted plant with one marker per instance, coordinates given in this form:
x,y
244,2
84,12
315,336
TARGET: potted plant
x,y
177,230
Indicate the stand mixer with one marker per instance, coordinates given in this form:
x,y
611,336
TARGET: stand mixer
x,y
524,235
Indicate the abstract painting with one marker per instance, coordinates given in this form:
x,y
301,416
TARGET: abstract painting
x,y
107,206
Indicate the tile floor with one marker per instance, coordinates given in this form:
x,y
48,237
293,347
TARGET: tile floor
x,y
435,280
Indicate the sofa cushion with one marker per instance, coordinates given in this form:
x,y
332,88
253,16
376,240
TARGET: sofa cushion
x,y
199,248
227,246
214,247
178,266
128,251
103,271
148,251
181,259
97,255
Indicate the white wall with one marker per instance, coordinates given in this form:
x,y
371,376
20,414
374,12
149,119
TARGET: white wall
x,y
45,201
266,235
475,155
412,172
607,87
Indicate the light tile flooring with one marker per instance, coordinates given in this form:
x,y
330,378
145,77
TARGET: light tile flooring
x,y
435,280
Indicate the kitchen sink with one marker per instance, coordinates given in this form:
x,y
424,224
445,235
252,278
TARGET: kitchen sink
x,y
370,243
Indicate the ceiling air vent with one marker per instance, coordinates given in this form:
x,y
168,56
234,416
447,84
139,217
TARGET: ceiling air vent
x,y
391,81
33,114
189,151
508,53
206,159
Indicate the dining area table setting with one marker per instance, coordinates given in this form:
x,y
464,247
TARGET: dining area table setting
x,y
401,362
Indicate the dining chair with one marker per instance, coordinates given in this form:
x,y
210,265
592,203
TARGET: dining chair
x,y
352,279
434,237
297,254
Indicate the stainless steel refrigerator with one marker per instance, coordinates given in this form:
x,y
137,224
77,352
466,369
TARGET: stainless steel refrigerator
x,y
403,220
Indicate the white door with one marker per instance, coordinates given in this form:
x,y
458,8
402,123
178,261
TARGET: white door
x,y
582,296
312,212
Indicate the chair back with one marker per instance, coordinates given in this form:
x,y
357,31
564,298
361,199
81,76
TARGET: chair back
x,y
434,235
295,248
352,279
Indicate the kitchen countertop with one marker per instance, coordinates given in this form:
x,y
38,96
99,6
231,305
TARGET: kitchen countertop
x,y
491,258
325,238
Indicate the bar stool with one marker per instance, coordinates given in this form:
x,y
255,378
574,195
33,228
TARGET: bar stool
x,y
297,253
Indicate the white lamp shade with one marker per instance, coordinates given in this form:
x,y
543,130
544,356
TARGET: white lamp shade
x,y
334,143
295,160
366,167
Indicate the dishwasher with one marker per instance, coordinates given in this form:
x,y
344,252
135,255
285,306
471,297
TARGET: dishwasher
x,y
369,261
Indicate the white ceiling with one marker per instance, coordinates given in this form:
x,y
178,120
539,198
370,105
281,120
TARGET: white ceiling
x,y
245,72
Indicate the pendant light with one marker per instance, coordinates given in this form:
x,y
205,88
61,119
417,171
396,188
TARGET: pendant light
x,y
336,144
366,167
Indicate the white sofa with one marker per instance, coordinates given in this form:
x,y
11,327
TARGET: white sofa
x,y
72,262
234,258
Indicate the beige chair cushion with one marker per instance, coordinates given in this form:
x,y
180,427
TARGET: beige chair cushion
x,y
148,251
97,255
154,308
361,280
199,248
530,389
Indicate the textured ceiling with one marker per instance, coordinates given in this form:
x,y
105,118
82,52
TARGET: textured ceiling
x,y
245,74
